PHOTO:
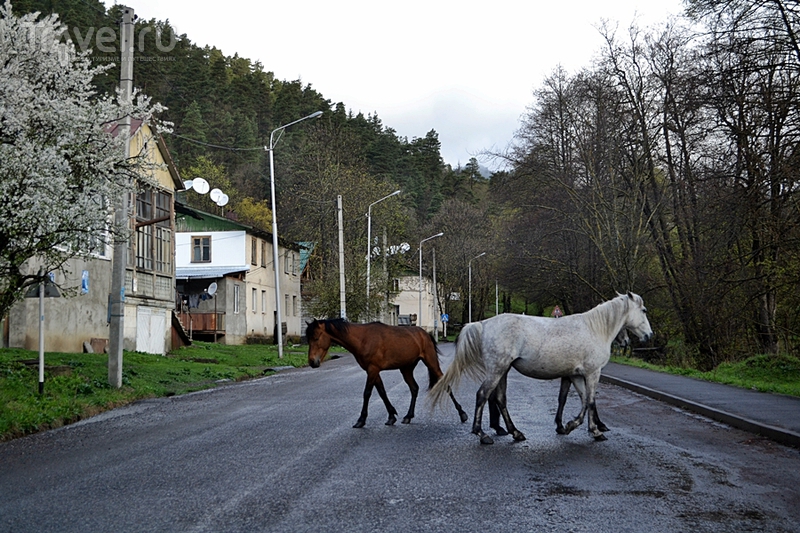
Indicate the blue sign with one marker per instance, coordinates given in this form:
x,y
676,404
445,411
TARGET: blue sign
x,y
85,282
445,318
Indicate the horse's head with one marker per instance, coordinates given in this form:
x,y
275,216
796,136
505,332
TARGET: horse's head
x,y
636,319
318,343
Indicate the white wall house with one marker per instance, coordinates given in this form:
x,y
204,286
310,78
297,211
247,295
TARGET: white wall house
x,y
406,302
237,259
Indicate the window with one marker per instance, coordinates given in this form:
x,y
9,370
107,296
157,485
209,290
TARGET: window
x,y
263,301
154,230
289,263
263,253
294,305
201,249
236,299
286,304
255,300
253,251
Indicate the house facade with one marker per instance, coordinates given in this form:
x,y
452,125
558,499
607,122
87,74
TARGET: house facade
x,y
226,280
81,315
405,303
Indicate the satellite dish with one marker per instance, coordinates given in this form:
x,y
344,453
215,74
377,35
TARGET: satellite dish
x,y
212,288
215,195
187,184
223,200
200,185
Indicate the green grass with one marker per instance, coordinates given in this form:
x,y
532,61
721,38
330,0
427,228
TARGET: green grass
x,y
766,373
76,385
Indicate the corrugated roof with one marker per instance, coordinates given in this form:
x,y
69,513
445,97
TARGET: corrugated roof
x,y
207,272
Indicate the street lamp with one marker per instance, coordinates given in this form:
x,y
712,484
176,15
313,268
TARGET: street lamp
x,y
272,142
419,316
369,240
470,282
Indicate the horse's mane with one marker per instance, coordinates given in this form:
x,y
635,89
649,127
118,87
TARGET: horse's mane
x,y
603,317
338,325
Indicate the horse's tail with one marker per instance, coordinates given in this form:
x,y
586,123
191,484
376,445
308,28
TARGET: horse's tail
x,y
468,360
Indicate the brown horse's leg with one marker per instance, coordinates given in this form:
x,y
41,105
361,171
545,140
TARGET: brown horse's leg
x,y
408,376
374,380
367,393
562,400
481,398
499,395
389,407
494,416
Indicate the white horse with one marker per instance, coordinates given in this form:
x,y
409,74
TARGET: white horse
x,y
621,340
575,346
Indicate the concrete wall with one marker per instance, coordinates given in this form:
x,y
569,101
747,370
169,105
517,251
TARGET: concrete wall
x,y
71,320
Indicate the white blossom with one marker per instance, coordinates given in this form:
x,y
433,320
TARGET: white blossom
x,y
60,167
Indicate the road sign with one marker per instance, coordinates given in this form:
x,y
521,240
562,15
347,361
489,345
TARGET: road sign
x,y
445,318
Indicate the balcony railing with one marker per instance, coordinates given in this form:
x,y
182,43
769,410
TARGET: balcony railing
x,y
203,323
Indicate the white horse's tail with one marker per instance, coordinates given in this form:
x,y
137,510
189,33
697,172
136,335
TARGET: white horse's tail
x,y
468,360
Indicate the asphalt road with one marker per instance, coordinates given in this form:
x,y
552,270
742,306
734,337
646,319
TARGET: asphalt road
x,y
279,454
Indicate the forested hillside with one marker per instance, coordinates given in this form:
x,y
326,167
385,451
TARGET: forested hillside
x,y
220,112
670,167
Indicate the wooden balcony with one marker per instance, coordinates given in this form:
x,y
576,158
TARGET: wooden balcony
x,y
203,323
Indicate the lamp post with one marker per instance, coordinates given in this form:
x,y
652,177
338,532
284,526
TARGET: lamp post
x,y
419,316
272,142
369,240
470,282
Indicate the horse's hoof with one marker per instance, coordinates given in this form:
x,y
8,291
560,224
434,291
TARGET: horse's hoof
x,y
406,420
602,427
570,427
561,431
486,439
518,436
463,416
600,437
500,432
359,424
391,421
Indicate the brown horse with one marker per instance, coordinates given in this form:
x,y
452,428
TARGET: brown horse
x,y
378,347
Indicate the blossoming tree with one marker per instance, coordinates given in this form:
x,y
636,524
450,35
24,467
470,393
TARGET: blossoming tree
x,y
60,165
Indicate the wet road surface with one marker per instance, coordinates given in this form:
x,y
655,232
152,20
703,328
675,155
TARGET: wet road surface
x,y
279,454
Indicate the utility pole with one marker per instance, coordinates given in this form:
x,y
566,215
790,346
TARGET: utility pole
x,y
385,279
117,299
435,301
342,294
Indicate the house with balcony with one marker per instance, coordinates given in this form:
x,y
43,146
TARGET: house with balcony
x,y
81,317
226,280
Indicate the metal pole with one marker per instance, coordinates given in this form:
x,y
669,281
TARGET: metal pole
x,y
470,290
275,260
342,295
385,279
116,334
435,300
41,336
419,317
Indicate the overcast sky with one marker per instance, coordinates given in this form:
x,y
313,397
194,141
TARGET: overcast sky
x,y
466,69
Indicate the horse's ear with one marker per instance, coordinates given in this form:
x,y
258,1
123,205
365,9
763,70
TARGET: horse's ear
x,y
630,295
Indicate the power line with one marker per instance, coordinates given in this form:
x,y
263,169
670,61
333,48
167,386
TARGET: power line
x,y
202,143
